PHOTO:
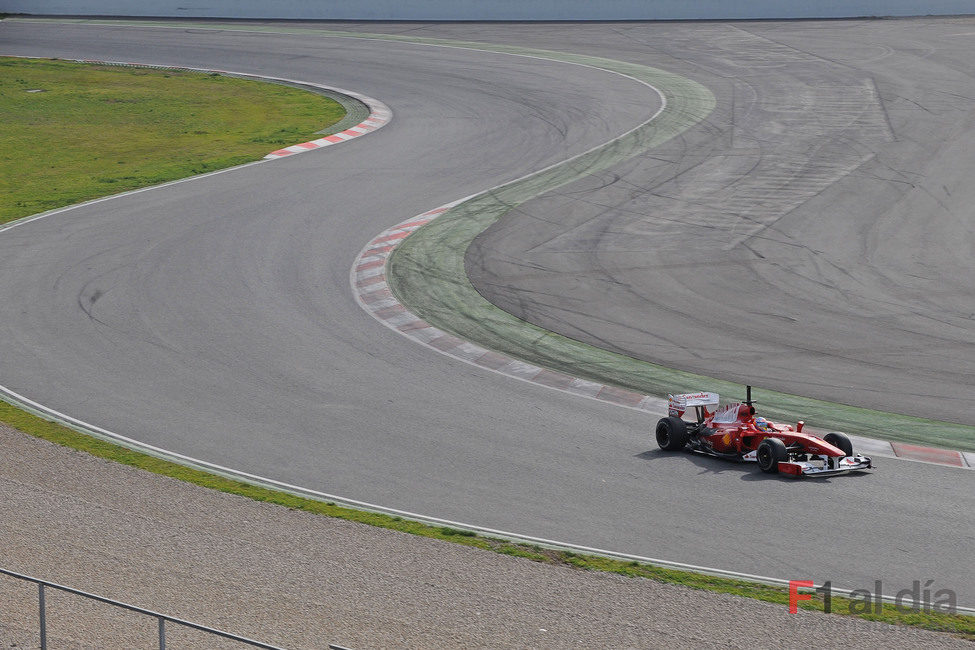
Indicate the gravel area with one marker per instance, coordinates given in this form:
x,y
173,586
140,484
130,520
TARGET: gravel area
x,y
305,581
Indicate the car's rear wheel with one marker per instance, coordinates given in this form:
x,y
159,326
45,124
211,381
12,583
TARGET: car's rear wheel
x,y
770,453
841,441
671,433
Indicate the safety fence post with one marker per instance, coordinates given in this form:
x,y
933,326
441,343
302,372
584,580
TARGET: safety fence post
x,y
40,602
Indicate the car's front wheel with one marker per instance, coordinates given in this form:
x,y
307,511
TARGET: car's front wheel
x,y
671,433
770,453
840,441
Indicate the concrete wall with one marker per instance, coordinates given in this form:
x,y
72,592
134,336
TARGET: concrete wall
x,y
492,9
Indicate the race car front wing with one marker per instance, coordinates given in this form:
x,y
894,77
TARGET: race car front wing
x,y
825,466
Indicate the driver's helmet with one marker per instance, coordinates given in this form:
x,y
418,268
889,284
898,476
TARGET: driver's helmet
x,y
762,424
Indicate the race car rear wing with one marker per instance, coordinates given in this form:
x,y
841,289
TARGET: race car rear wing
x,y
678,404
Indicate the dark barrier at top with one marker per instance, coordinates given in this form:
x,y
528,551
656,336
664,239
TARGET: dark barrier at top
x,y
527,10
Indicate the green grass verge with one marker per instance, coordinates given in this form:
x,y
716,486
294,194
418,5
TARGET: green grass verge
x,y
56,433
73,132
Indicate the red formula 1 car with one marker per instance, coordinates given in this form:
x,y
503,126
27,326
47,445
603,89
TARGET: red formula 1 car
x,y
734,432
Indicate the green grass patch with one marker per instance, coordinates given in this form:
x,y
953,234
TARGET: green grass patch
x,y
73,132
963,626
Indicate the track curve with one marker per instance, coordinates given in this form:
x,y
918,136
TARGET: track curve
x,y
213,318
832,194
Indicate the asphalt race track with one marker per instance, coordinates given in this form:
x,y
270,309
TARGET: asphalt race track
x,y
214,317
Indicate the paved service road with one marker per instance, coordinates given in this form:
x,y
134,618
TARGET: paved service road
x,y
214,318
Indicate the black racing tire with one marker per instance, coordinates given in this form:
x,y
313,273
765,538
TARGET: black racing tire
x,y
770,453
671,434
840,440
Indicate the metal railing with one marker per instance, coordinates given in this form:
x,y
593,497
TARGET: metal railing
x,y
161,618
